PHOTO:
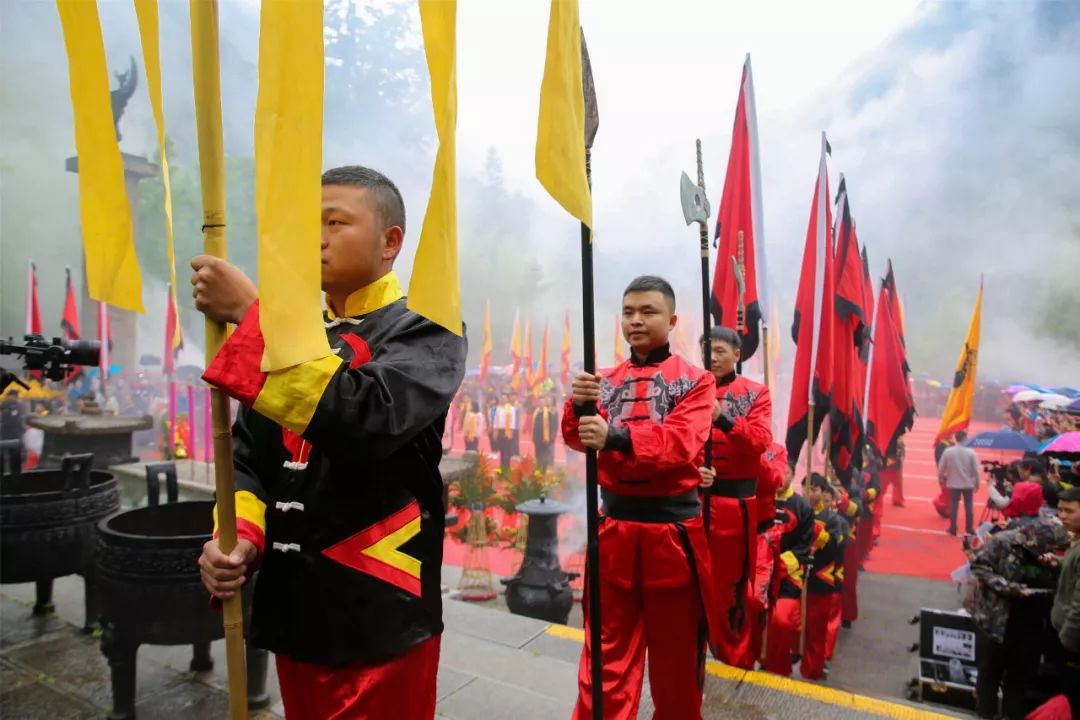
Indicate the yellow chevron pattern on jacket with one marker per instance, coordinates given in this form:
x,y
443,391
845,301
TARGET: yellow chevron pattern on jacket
x,y
794,568
821,535
828,574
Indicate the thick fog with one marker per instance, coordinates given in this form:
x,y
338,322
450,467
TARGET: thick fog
x,y
957,126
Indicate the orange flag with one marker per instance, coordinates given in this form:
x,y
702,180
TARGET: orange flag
x,y
564,371
485,350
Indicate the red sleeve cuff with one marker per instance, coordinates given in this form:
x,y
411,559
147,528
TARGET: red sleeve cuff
x,y
236,367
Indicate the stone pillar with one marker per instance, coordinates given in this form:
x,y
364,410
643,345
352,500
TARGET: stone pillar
x,y
124,322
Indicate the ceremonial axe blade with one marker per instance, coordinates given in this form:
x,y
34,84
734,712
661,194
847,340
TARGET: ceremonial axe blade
x,y
695,206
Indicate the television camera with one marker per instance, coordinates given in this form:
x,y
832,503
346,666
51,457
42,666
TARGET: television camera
x,y
53,359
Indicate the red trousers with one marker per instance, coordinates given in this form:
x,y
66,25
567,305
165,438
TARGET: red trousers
x,y
836,612
785,620
402,688
853,556
650,600
733,546
894,477
820,609
766,582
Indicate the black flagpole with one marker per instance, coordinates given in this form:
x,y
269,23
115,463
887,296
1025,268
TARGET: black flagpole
x,y
592,495
706,345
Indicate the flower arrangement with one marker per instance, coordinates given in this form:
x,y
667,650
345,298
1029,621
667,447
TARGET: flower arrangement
x,y
474,494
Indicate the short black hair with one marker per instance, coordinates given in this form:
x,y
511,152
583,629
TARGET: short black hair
x,y
385,196
1051,492
652,283
961,436
723,334
1034,465
818,480
1070,495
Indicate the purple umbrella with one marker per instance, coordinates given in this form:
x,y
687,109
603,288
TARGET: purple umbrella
x,y
1068,442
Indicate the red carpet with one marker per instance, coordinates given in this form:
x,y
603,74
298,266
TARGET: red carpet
x,y
913,538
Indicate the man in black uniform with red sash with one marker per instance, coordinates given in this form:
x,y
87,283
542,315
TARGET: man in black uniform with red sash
x,y
338,491
654,413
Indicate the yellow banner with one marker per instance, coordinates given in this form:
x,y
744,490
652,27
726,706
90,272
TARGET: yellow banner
x,y
957,415
112,268
288,193
435,288
560,132
147,11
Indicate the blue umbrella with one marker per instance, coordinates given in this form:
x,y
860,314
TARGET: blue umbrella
x,y
1002,440
1073,408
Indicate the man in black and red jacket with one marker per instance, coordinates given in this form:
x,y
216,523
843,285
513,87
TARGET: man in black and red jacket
x,y
793,535
742,431
654,413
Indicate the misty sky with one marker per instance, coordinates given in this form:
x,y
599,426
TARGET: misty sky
x,y
955,124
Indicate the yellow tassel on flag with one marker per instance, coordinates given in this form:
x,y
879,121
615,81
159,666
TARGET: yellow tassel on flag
x,y
112,267
288,194
434,289
147,11
560,132
957,415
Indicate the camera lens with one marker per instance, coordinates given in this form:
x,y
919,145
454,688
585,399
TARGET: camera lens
x,y
82,352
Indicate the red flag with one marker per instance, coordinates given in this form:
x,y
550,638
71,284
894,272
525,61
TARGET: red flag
x,y
33,309
173,338
898,325
889,410
69,322
739,225
849,329
564,369
104,334
812,328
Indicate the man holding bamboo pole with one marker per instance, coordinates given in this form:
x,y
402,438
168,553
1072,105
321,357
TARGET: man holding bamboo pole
x,y
338,491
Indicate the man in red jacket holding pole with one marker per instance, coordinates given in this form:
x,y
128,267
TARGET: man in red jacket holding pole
x,y
742,431
650,430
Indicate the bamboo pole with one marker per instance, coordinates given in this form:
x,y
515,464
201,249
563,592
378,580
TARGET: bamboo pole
x,y
207,83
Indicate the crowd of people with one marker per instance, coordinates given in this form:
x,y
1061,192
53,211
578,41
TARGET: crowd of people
x,y
1023,590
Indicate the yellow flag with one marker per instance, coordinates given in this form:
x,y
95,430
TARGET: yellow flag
x,y
560,132
515,352
434,289
288,194
147,11
112,268
957,413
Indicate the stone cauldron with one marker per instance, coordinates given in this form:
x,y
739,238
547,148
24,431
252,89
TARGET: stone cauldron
x,y
541,589
108,437
151,592
47,527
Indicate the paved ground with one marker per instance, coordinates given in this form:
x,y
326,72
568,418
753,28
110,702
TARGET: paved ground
x,y
494,665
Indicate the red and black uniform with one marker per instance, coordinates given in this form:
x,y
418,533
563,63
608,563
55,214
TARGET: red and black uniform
x,y
850,507
766,576
824,586
656,585
740,437
338,487
793,535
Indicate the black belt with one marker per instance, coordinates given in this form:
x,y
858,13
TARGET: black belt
x,y
650,508
746,488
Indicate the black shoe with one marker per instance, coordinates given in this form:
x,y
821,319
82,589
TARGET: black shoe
x,y
846,624
951,531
